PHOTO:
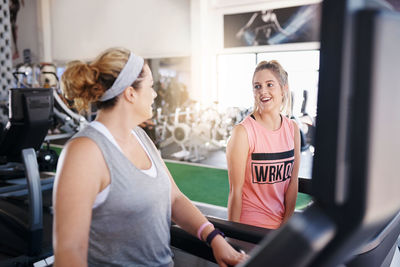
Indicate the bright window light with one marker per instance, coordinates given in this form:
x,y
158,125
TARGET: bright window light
x,y
302,68
235,73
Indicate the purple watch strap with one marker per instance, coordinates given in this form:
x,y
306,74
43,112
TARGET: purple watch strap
x,y
213,234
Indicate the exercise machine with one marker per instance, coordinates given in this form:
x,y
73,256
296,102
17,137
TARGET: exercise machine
x,y
25,198
355,217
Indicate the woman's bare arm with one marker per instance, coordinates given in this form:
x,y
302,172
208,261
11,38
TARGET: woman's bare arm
x,y
81,174
236,154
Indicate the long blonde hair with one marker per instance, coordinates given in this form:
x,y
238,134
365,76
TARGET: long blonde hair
x,y
282,77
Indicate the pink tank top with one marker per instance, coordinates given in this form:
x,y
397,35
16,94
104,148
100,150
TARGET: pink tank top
x,y
268,171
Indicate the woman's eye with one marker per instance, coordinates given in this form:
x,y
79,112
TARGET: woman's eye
x,y
257,86
270,84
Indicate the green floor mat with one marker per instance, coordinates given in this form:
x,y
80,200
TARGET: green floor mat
x,y
201,184
210,185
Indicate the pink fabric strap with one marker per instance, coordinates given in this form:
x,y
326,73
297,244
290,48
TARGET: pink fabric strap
x,y
204,225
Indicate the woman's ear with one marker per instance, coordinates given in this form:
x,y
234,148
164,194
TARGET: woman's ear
x,y
130,94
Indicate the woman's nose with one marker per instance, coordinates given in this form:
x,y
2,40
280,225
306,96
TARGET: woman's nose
x,y
263,89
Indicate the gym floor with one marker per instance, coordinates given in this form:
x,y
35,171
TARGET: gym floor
x,y
217,158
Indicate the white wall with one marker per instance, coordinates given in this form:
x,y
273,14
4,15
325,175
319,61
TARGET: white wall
x,y
63,30
151,28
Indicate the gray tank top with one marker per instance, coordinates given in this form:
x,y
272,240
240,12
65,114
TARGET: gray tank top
x,y
132,226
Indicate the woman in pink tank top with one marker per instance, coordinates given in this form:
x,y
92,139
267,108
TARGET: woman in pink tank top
x,y
263,154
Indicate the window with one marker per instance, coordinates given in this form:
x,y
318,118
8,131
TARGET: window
x,y
235,72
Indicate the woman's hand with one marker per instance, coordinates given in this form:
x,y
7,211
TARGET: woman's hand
x,y
225,254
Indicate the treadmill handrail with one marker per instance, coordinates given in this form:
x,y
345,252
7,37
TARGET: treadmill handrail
x,y
190,244
34,188
78,118
244,232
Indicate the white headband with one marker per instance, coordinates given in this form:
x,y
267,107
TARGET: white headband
x,y
126,77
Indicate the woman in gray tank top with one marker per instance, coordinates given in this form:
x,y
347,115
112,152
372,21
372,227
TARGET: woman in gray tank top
x,y
114,198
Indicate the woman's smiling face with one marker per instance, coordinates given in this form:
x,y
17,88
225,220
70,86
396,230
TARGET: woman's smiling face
x,y
268,93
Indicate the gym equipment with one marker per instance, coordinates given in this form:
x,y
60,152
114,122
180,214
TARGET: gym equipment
x,y
354,220
47,158
355,170
25,228
27,74
196,131
25,232
240,236
71,122
304,145
30,118
185,130
307,122
34,226
48,77
66,122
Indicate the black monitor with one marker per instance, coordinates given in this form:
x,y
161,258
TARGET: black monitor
x,y
361,193
30,116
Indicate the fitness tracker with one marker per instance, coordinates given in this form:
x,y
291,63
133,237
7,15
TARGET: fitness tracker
x,y
213,234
